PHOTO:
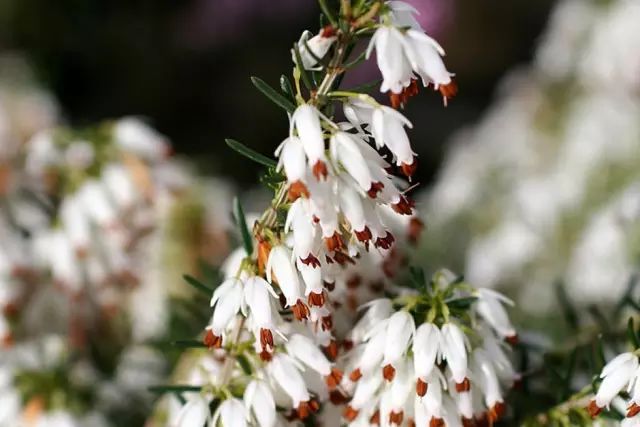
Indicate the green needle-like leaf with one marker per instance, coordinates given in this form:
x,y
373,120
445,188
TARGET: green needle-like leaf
x,y
273,95
287,88
198,284
251,154
327,12
160,389
241,221
632,335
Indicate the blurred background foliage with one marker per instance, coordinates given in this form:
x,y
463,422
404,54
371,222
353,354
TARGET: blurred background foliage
x,y
185,65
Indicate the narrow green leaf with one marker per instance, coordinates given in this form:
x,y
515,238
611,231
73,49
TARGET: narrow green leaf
x,y
303,73
244,364
568,309
251,154
198,284
273,95
160,389
461,303
189,344
569,374
632,335
241,221
327,12
287,88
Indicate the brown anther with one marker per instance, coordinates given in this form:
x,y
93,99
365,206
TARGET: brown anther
x,y
385,242
264,248
350,413
283,300
296,190
436,422
396,100
633,410
337,397
7,340
266,338
319,170
331,351
212,340
396,417
411,422
377,286
327,323
315,219
375,418
512,339
328,31
342,258
334,242
364,235
496,412
409,169
404,206
330,286
355,375
465,385
265,356
347,345
415,229
316,299
354,281
311,260
300,310
421,387
376,187
388,372
306,408
448,91
333,379
593,409
468,422
352,302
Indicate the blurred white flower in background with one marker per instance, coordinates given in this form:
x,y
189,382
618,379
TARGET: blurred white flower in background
x,y
535,192
96,229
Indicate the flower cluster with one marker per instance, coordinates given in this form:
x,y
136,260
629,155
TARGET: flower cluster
x,y
436,357
86,228
281,332
619,375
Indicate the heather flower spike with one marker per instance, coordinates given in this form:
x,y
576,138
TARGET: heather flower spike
x,y
330,248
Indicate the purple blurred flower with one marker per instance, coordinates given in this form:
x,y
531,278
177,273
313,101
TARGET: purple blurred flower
x,y
216,22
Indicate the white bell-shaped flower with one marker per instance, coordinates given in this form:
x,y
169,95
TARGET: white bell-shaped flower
x,y
230,413
396,70
490,306
306,121
426,347
616,375
226,302
259,402
195,412
318,46
454,351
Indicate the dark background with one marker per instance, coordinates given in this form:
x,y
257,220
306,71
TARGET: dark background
x,y
185,65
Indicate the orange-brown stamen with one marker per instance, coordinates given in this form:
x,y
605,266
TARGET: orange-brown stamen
x,y
388,372
212,340
333,379
421,387
320,170
300,310
296,190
